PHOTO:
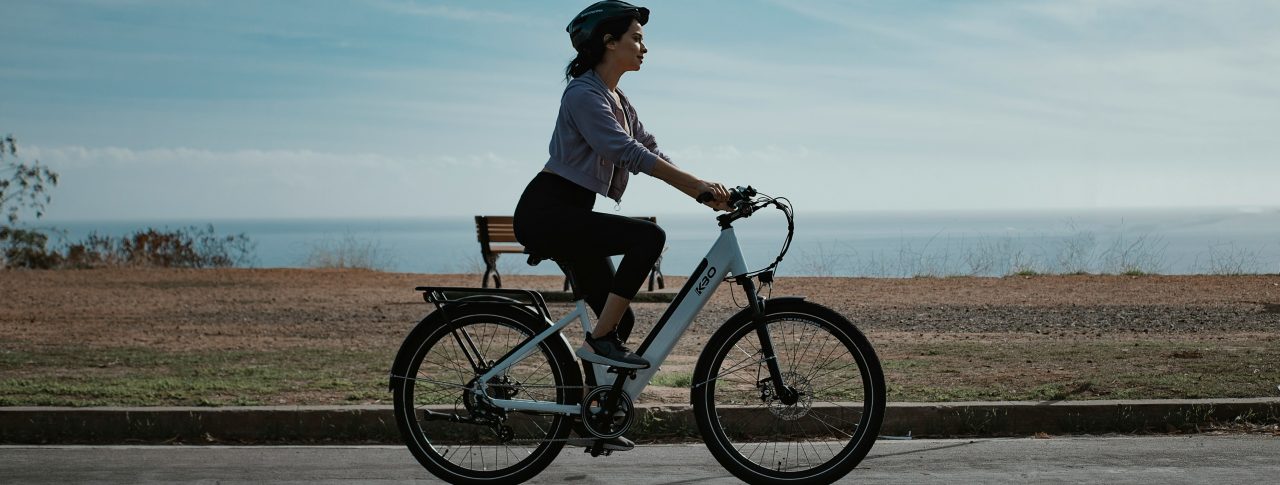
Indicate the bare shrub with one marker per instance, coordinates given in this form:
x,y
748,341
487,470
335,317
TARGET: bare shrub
x,y
26,249
471,262
94,251
824,260
1144,254
347,253
468,263
192,247
1229,259
1025,262
1076,253
921,262
872,265
990,257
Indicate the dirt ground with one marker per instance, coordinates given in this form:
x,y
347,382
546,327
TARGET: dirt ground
x,y
266,309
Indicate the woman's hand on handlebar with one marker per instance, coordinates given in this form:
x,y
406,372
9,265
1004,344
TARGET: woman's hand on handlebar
x,y
719,195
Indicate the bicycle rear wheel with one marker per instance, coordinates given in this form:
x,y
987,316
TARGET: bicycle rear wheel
x,y
814,432
450,430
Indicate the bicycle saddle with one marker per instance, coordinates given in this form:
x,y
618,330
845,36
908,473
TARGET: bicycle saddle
x,y
535,258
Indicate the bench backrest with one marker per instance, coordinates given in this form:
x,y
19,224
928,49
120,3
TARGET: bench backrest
x,y
495,229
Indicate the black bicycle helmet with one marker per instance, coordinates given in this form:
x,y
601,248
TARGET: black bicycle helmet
x,y
586,21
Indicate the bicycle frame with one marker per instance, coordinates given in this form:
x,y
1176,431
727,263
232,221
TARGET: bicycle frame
x,y
724,259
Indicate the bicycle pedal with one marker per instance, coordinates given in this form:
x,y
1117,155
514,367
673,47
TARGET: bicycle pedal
x,y
597,450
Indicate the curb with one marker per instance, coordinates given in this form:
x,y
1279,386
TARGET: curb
x,y
376,424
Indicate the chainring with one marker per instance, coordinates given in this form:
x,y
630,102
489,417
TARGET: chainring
x,y
601,423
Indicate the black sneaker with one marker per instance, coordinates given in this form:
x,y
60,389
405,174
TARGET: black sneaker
x,y
609,350
612,444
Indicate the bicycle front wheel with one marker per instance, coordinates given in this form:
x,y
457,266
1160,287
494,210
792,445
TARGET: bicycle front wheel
x,y
452,432
816,429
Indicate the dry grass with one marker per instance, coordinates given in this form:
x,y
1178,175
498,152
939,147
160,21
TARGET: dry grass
x,y
234,337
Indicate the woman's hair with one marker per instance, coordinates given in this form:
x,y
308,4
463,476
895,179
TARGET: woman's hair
x,y
592,51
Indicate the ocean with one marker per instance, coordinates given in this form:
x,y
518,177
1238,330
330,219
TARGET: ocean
x,y
879,244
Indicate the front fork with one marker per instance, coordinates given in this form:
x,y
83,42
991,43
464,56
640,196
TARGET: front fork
x,y
785,393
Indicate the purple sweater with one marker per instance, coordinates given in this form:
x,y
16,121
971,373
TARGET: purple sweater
x,y
590,142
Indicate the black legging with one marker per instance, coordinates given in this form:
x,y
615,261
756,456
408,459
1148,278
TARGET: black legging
x,y
554,218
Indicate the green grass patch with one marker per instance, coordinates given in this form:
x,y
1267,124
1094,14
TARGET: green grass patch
x,y
672,379
135,376
1027,368
1048,370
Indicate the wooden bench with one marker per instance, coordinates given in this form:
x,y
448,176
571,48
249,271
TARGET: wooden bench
x,y
498,237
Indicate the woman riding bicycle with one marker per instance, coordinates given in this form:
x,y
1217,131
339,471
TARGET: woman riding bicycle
x,y
597,143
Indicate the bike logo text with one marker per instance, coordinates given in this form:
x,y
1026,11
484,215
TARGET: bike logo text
x,y
706,280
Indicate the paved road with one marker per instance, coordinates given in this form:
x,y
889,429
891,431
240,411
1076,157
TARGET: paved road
x,y
1145,460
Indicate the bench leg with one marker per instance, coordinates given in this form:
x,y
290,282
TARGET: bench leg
x,y
656,274
491,268
497,277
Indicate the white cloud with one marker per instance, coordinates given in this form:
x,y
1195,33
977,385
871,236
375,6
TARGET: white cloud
x,y
115,182
855,20
72,157
449,12
758,155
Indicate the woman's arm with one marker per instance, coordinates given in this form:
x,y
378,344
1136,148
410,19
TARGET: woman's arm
x,y
591,114
690,185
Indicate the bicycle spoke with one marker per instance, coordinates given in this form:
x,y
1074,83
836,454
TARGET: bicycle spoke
x,y
730,371
483,438
795,433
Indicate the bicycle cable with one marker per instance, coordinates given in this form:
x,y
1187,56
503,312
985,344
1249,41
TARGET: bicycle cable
x,y
766,274
783,204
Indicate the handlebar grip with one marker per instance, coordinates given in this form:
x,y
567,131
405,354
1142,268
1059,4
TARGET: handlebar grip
x,y
706,197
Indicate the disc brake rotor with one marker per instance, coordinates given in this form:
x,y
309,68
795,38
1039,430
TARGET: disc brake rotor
x,y
788,412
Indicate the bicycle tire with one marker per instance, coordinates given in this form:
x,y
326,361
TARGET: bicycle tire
x,y
432,373
818,439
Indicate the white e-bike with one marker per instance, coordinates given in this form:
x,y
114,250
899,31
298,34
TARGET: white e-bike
x,y
486,389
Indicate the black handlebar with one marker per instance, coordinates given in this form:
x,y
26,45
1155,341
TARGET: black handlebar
x,y
736,196
743,202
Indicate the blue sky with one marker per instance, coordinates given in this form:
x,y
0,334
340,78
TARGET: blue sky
x,y
389,108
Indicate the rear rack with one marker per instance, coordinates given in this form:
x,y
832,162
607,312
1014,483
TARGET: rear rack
x,y
441,296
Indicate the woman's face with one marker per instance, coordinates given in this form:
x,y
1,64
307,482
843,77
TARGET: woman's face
x,y
628,51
